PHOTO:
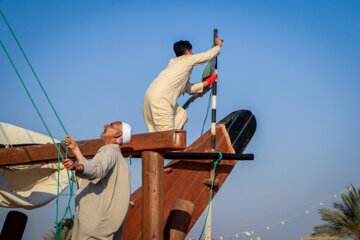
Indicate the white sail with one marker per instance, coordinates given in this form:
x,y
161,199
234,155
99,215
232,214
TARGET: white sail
x,y
29,186
13,135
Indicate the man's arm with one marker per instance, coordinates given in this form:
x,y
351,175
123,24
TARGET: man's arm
x,y
75,149
68,163
94,172
194,88
201,58
202,87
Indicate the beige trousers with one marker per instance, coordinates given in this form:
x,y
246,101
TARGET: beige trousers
x,y
160,116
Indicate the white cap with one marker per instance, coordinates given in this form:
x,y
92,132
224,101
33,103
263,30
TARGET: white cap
x,y
126,133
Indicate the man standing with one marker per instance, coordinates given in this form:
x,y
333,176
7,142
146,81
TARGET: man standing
x,y
160,110
102,200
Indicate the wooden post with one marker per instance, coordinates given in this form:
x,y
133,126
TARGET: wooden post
x,y
178,222
14,226
153,195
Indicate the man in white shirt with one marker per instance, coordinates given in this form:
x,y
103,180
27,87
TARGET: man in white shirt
x,y
102,200
160,110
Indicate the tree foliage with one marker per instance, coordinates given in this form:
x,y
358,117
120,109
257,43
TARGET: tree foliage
x,y
344,221
65,232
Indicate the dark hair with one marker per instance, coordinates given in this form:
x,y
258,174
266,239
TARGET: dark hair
x,y
180,47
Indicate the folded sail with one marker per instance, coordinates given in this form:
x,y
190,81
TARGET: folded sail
x,y
28,186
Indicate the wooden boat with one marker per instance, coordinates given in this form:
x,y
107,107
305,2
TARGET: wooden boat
x,y
183,179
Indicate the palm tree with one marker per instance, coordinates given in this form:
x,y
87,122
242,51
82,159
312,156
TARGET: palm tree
x,y
65,232
344,221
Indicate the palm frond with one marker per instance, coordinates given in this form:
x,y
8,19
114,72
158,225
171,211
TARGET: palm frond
x,y
344,220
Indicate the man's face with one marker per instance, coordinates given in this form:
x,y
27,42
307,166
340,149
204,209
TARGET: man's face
x,y
111,129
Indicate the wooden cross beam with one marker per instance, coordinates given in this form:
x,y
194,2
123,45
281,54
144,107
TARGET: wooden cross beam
x,y
157,141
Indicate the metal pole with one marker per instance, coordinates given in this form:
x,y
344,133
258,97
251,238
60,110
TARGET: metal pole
x,y
213,138
208,224
213,108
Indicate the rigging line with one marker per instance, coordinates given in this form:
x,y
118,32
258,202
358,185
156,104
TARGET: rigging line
x,y
28,93
59,225
58,148
57,116
33,71
215,162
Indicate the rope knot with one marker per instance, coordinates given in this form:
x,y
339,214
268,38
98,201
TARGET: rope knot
x,y
215,162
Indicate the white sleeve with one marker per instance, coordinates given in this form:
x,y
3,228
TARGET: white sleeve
x,y
95,172
201,58
193,88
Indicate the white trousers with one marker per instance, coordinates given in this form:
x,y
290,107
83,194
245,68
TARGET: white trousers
x,y
160,116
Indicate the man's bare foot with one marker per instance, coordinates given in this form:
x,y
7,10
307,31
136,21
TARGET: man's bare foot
x,y
188,149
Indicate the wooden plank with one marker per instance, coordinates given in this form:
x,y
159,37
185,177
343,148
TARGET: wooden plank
x,y
153,195
157,141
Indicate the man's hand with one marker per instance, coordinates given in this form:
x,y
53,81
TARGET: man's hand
x,y
69,141
218,41
69,164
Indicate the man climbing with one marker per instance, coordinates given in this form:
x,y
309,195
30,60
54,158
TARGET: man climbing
x,y
102,200
160,110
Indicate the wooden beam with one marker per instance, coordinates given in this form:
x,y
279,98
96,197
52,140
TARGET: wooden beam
x,y
207,155
179,219
153,195
157,141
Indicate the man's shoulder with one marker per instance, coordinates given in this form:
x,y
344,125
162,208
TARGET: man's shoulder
x,y
110,148
182,61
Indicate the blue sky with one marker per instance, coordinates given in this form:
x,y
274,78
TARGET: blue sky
x,y
294,64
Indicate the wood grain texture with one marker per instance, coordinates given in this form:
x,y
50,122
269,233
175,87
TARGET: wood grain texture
x,y
153,195
185,179
158,141
186,182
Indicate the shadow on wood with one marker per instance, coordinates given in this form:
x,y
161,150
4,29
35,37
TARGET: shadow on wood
x,y
179,219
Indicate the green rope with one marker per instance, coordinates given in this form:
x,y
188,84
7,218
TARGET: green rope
x,y
32,70
186,105
28,93
215,162
68,208
45,125
37,78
